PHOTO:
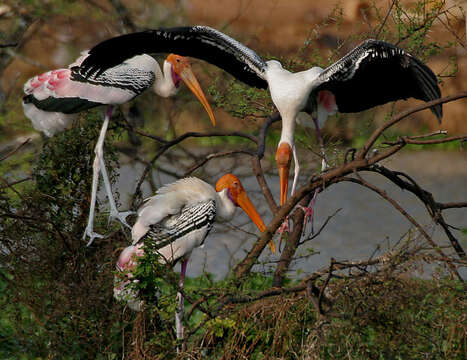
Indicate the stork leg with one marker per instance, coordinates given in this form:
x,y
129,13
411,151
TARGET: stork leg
x,y
308,210
296,170
99,166
324,162
180,311
114,213
96,169
90,227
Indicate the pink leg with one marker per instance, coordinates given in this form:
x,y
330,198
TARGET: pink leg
x,y
180,311
284,228
309,211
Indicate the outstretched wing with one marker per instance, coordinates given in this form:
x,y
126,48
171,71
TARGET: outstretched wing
x,y
376,72
200,42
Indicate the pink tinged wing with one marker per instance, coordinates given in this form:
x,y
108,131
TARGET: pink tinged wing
x,y
326,106
327,100
59,84
50,84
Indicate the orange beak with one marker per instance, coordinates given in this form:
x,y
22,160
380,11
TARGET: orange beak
x,y
245,203
182,68
283,164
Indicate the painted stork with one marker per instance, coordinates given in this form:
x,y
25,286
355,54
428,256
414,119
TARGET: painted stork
x,y
177,220
54,98
373,73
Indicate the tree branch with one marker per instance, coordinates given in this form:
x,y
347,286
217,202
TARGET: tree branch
x,y
395,119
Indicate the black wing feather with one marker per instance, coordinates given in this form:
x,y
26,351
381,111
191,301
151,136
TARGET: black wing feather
x,y
200,42
375,73
190,218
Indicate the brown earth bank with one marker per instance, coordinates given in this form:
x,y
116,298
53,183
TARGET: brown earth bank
x,y
273,28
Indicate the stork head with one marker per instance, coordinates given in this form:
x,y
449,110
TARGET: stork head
x,y
181,70
283,158
239,197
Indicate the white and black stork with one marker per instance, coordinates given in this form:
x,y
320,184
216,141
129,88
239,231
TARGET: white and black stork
x,y
373,73
177,220
54,98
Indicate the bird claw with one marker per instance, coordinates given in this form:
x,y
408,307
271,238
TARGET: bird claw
x,y
92,235
284,228
308,216
324,165
309,211
121,216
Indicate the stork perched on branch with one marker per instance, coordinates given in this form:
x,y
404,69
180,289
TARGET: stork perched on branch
x,y
373,73
54,98
177,220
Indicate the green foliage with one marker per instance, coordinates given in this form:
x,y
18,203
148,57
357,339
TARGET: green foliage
x,y
54,288
390,322
239,100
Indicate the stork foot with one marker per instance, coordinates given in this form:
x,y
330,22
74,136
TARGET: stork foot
x,y
120,216
324,165
284,228
92,235
308,210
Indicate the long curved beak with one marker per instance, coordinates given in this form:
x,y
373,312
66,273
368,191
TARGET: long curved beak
x,y
190,80
245,203
283,164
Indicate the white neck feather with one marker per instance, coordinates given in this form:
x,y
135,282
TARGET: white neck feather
x,y
288,130
225,208
164,85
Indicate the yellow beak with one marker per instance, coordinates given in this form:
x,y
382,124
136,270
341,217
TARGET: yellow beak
x,y
190,80
245,203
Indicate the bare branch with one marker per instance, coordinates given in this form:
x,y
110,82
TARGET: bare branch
x,y
378,33
209,157
168,144
293,241
321,228
395,119
410,140
262,134
434,208
256,164
2,46
408,217
15,149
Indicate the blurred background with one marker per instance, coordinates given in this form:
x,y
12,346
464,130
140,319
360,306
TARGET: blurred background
x,y
51,34
56,294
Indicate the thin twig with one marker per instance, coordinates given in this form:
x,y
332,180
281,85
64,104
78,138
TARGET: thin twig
x,y
15,149
395,119
209,157
385,20
420,229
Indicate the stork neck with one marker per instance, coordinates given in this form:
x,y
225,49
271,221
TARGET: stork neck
x,y
164,85
288,129
225,208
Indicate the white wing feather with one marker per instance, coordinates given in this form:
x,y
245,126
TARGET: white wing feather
x,y
169,200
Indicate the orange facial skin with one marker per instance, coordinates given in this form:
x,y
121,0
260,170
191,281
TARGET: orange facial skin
x,y
240,198
181,67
